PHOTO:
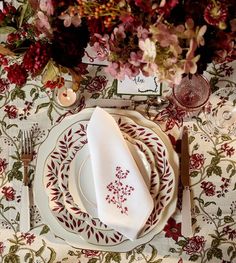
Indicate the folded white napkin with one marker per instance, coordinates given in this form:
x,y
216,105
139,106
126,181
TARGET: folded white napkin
x,y
123,199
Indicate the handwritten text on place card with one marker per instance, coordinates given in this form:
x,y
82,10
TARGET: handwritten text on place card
x,y
139,85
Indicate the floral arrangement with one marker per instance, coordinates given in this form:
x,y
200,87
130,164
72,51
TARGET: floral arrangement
x,y
165,38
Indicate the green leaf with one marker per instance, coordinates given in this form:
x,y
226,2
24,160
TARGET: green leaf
x,y
154,253
219,212
13,248
229,250
23,10
45,230
12,258
233,256
229,167
27,256
93,260
132,259
210,254
215,243
228,219
128,254
182,243
8,208
49,112
233,172
194,174
40,251
52,255
195,128
194,258
140,249
215,160
50,73
40,106
32,91
225,137
112,90
173,250
234,187
17,93
197,210
209,203
218,253
7,30
156,261
11,125
191,139
95,95
115,256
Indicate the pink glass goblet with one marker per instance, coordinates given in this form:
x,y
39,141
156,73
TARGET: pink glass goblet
x,y
192,93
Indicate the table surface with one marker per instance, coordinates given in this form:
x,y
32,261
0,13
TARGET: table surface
x,y
212,163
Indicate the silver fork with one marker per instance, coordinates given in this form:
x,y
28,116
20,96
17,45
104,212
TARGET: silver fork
x,y
26,158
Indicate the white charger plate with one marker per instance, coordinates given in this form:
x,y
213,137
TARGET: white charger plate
x,y
74,238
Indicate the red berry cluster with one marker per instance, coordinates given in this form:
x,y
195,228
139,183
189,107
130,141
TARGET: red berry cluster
x,y
36,58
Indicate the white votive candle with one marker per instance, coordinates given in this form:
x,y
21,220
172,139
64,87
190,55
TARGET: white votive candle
x,y
66,97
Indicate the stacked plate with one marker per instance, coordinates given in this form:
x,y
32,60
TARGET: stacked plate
x,y
64,188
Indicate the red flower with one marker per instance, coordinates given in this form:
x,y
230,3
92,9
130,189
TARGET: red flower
x,y
98,83
209,188
3,165
4,86
16,74
28,237
11,111
36,57
90,253
215,14
9,193
172,229
58,83
194,245
196,161
1,248
227,149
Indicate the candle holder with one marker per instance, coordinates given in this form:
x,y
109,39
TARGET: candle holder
x,y
67,96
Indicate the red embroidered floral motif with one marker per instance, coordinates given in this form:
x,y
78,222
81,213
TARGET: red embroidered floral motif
x,y
119,191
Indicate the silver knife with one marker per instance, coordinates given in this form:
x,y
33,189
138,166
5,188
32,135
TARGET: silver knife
x,y
186,227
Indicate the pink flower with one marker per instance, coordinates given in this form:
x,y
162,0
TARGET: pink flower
x,y
42,22
194,245
3,165
68,20
90,253
9,193
227,149
196,161
29,238
47,6
98,83
208,188
2,247
12,111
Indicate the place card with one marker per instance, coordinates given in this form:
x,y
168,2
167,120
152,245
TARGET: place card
x,y
1,5
140,85
91,57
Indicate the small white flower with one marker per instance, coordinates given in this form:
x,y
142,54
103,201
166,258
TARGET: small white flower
x,y
149,50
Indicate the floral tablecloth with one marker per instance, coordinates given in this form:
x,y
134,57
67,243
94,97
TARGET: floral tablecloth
x,y
213,183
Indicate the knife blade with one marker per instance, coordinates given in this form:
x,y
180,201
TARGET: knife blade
x,y
186,227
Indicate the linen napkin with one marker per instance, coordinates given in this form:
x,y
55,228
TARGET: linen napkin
x,y
123,199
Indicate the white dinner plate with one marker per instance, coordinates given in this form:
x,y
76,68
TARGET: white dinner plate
x,y
46,182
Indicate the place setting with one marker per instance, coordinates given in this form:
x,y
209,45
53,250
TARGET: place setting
x,y
113,190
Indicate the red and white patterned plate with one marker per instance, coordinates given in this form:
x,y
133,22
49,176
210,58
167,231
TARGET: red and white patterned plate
x,y
77,230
